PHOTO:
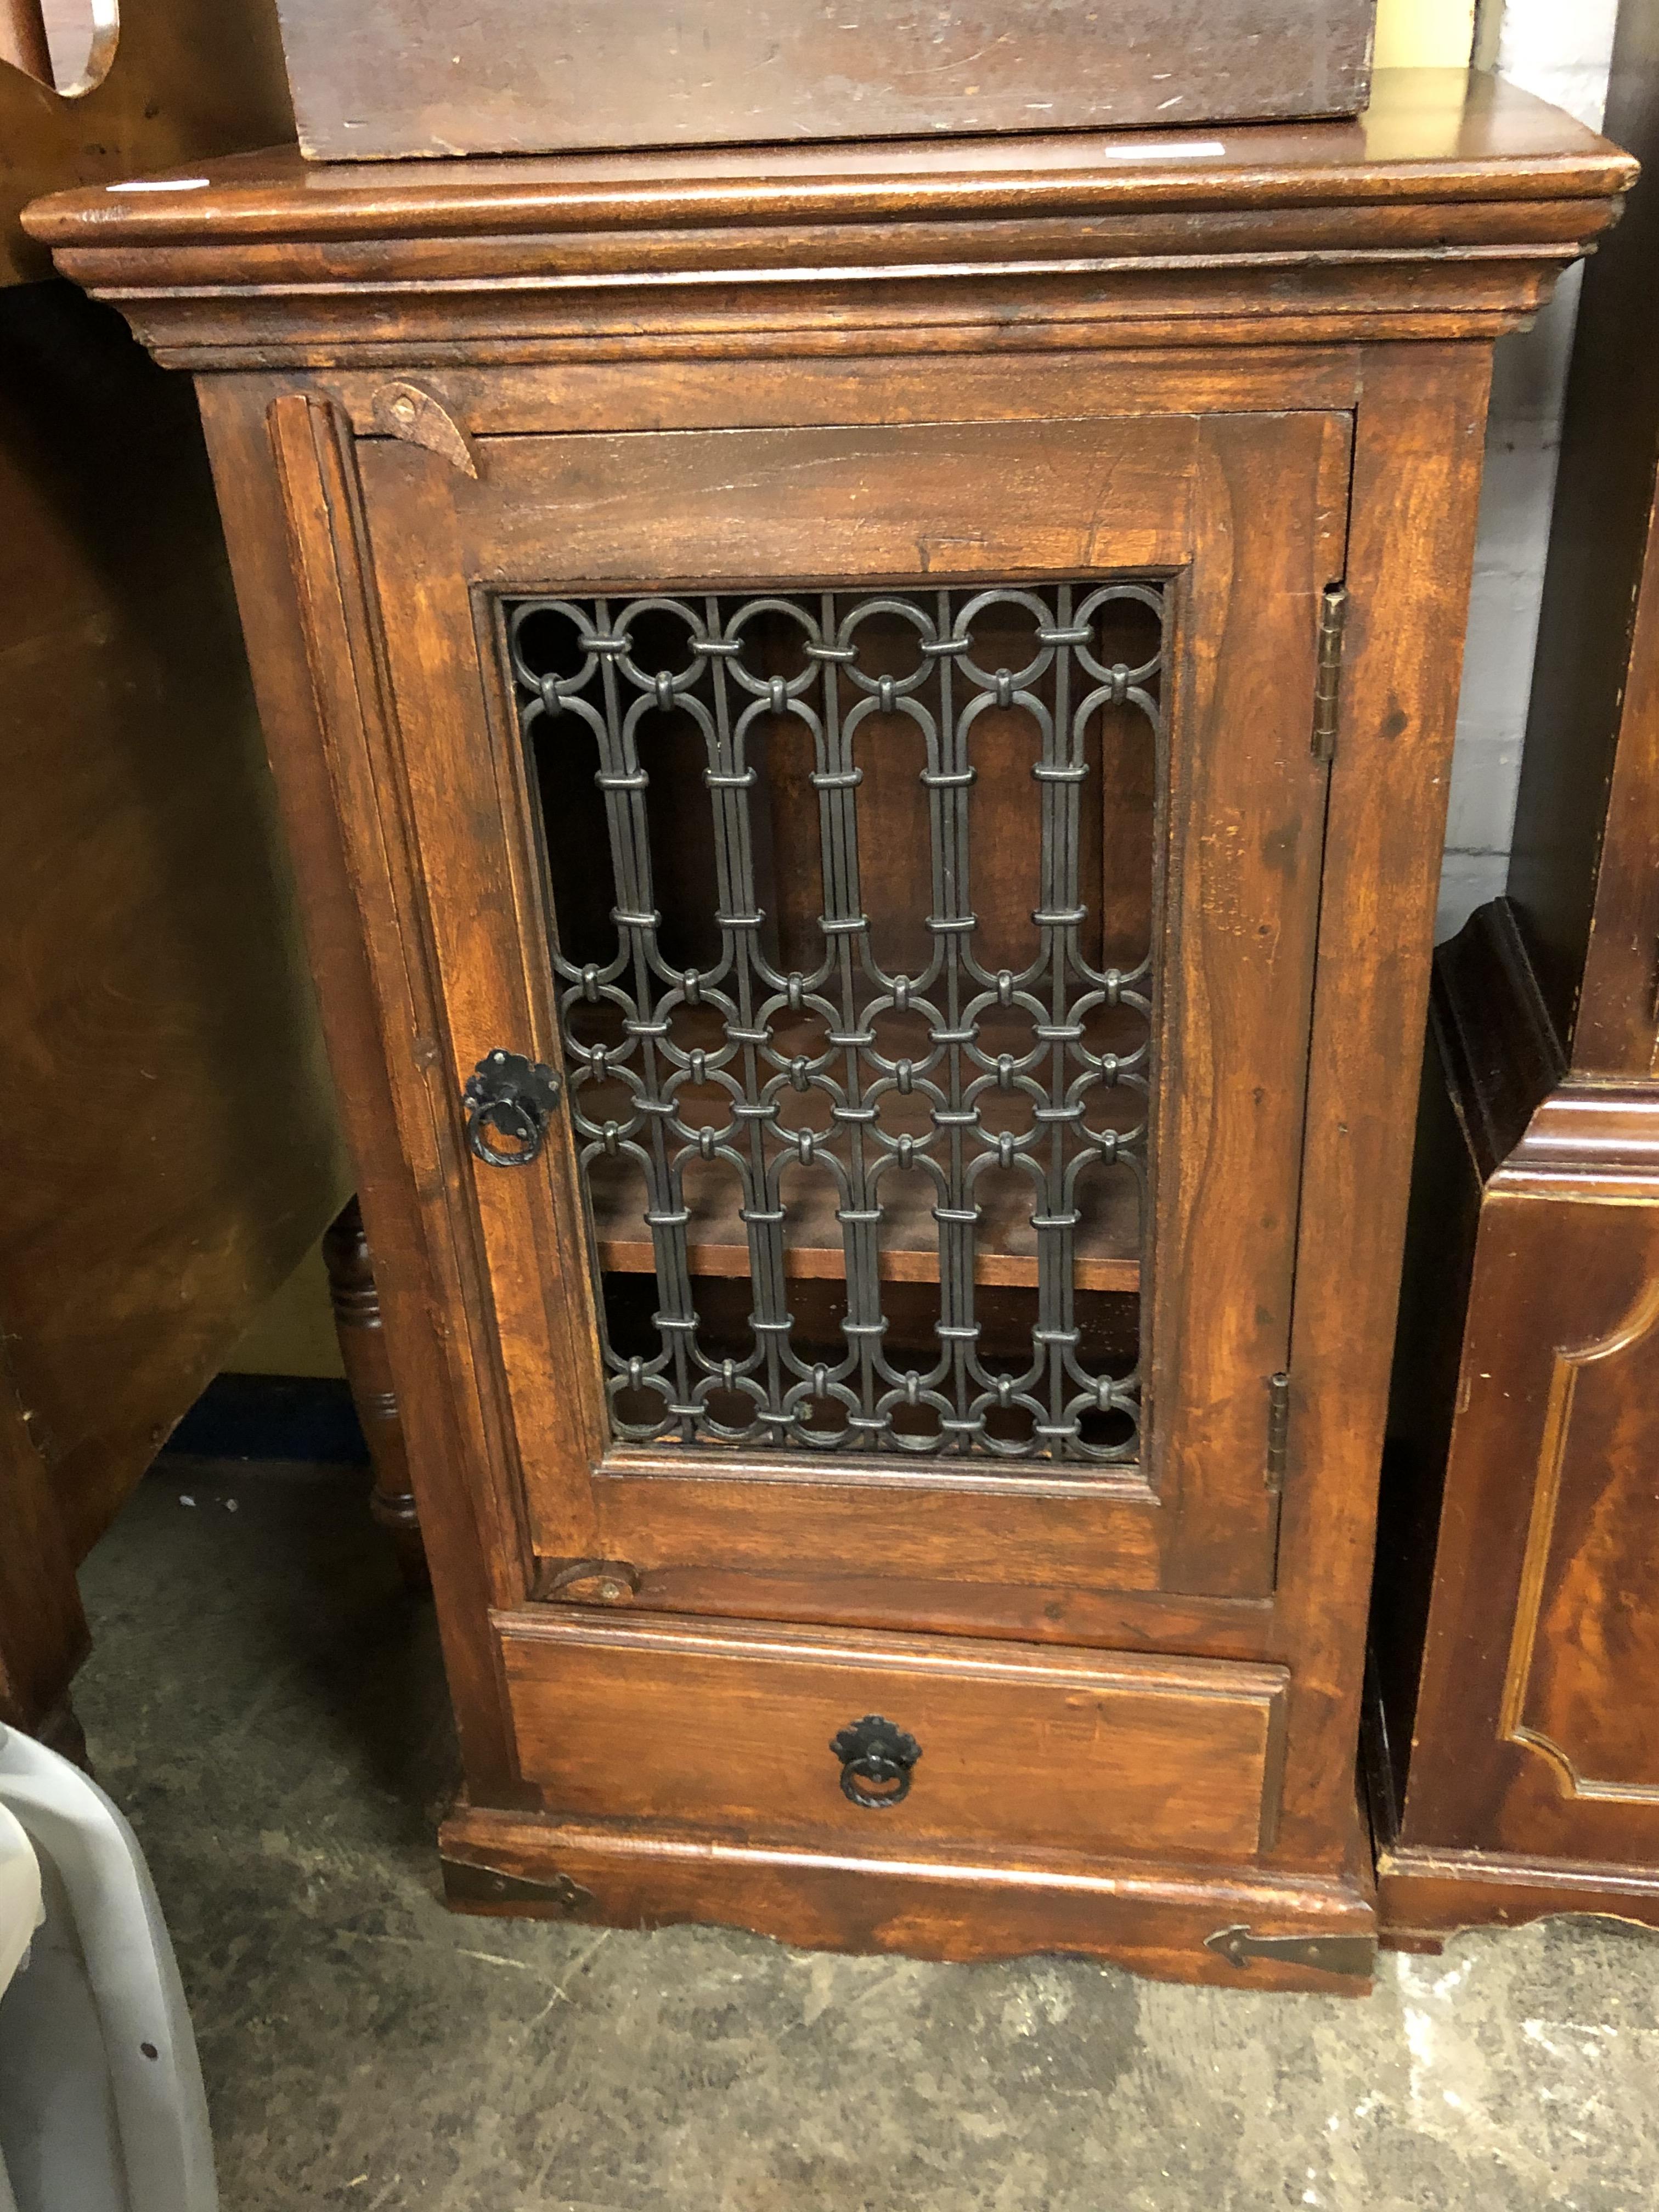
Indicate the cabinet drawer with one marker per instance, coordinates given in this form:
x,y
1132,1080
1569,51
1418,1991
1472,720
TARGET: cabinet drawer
x,y
728,1728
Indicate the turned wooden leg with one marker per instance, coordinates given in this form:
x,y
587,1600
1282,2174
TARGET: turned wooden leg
x,y
362,1349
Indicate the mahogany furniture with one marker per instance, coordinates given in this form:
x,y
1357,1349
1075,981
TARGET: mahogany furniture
x,y
1515,1750
173,1144
172,1147
538,76
865,731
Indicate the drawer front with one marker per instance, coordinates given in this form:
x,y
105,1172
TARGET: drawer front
x,y
729,1729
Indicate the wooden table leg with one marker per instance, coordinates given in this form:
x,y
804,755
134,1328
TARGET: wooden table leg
x,y
362,1348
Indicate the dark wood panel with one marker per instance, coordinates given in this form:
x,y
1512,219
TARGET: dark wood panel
x,y
1239,928
718,509
1424,1897
187,78
1598,547
1582,1672
1538,1667
1518,1657
1541,1673
873,504
414,77
1616,1032
1441,1228
43,1631
849,1592
172,1146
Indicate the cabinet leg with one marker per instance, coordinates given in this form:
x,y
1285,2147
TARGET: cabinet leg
x,y
362,1350
60,1730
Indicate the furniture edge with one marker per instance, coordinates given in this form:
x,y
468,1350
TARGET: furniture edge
x,y
267,261
1152,1918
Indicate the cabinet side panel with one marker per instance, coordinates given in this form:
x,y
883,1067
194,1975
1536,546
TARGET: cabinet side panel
x,y
1417,473
1604,491
1618,1031
1440,1235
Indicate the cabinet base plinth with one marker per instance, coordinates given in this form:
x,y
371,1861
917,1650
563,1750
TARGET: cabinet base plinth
x,y
1155,1920
1426,1896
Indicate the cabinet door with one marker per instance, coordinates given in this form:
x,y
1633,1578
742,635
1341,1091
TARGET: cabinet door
x,y
904,846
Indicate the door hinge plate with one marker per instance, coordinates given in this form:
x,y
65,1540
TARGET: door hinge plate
x,y
1327,682
1351,1955
469,1881
1279,1429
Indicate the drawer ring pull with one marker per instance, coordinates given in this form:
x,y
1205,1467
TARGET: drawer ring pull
x,y
508,1095
876,1759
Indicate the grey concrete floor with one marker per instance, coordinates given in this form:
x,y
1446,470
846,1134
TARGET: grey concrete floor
x,y
268,1707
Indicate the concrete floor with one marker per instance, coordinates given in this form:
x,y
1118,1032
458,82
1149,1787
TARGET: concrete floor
x,y
268,1709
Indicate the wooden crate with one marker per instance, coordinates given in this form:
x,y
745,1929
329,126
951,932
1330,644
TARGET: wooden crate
x,y
525,77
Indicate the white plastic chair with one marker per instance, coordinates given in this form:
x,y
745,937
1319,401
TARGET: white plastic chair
x,y
101,2105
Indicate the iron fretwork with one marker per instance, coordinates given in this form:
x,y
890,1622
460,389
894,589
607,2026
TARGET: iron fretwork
x,y
731,1028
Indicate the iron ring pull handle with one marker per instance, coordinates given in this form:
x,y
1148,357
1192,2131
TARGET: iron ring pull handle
x,y
508,1097
876,1763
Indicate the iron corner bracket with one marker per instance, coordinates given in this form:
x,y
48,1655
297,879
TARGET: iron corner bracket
x,y
1354,1956
467,1881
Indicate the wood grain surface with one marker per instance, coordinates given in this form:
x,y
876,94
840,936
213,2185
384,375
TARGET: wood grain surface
x,y
1517,1689
413,77
1143,1757
173,1149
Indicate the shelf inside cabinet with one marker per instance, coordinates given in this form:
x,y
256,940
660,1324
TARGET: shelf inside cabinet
x,y
1107,1242
718,1244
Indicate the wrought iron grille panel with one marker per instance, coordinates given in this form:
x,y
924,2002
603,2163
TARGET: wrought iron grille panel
x,y
721,1047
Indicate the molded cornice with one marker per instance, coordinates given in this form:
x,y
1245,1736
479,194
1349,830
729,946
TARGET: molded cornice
x,y
1447,211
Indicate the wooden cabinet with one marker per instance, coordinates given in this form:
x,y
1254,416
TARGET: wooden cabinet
x,y
866,734
1516,1738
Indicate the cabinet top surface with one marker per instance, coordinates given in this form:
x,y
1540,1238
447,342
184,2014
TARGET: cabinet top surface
x,y
1440,133
1445,211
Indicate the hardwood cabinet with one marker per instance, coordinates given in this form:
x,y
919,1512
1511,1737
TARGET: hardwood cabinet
x,y
1517,1726
865,731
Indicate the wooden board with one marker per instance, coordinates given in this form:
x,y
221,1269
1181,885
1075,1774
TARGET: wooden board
x,y
171,1150
1581,878
435,77
187,78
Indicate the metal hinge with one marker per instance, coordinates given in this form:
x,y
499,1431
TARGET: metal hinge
x,y
1328,683
468,1881
1279,1429
1353,1955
